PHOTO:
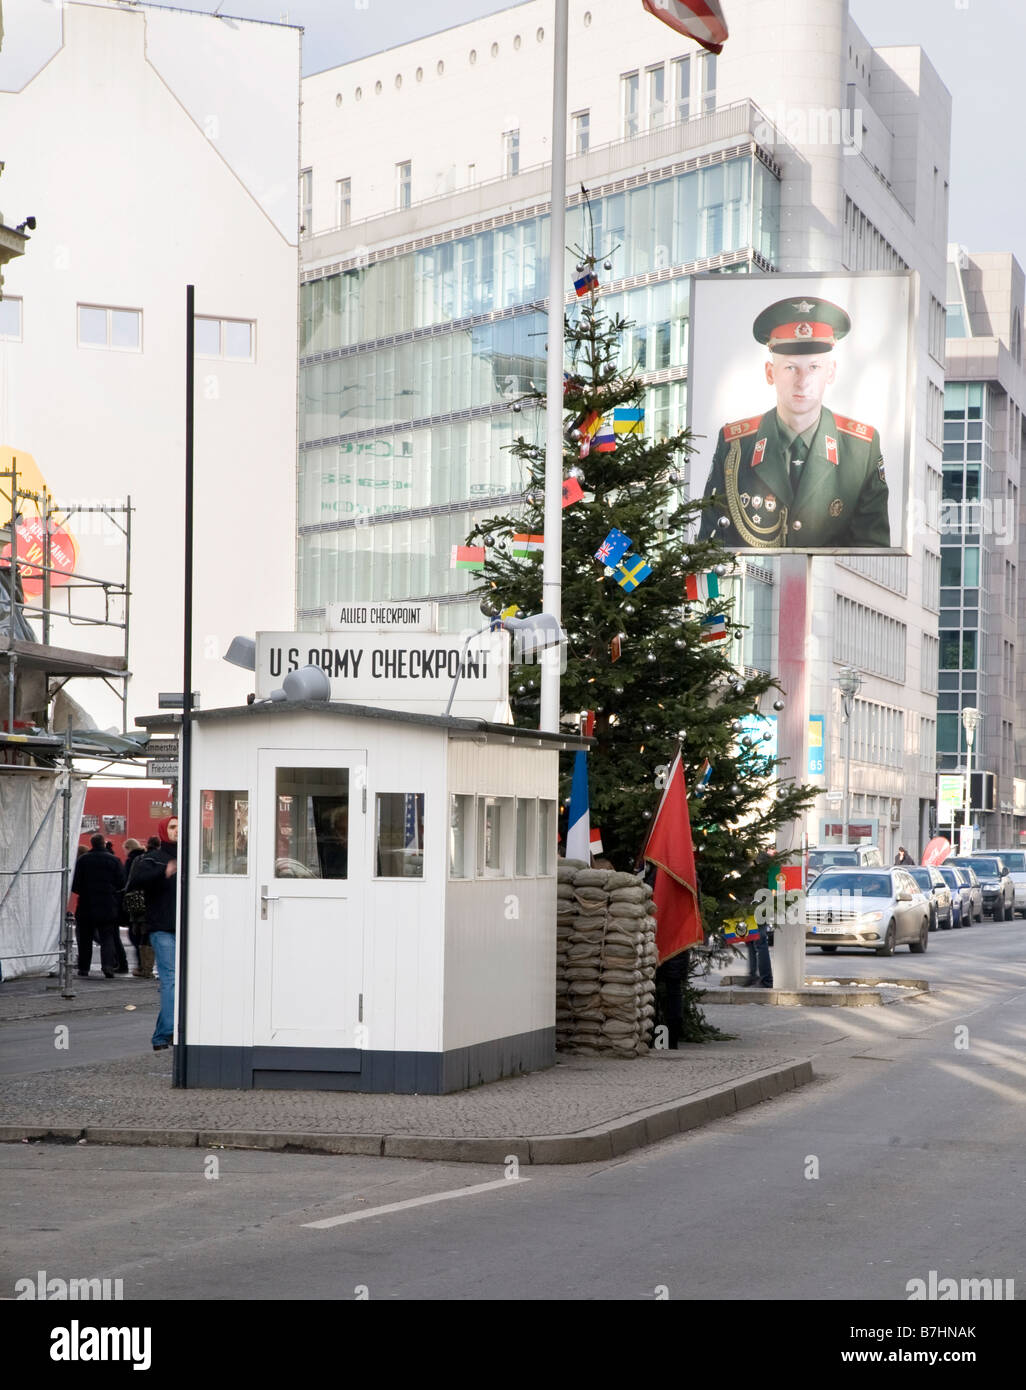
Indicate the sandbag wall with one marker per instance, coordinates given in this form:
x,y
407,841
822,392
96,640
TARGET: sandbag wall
x,y
605,961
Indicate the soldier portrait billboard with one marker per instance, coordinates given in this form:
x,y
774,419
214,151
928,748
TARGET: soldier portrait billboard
x,y
800,391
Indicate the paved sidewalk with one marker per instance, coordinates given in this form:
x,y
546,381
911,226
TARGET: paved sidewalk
x,y
582,1109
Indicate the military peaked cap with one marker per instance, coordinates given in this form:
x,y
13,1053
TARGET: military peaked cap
x,y
801,325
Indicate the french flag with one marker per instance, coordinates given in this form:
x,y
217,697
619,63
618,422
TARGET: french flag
x,y
578,826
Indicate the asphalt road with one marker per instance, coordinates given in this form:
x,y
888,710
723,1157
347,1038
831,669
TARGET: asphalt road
x,y
905,1157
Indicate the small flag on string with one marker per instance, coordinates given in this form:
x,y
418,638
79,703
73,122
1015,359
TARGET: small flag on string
x,y
704,774
632,571
605,438
714,628
467,557
613,548
701,587
742,929
590,424
628,419
616,647
572,492
588,723
525,544
596,841
510,612
586,284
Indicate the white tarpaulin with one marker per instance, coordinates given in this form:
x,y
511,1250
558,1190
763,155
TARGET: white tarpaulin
x,y
31,910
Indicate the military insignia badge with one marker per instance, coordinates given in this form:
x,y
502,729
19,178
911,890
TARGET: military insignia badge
x,y
831,448
804,307
758,453
803,330
880,470
836,507
771,504
745,499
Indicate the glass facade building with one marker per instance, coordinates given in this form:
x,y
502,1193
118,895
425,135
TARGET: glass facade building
x,y
411,360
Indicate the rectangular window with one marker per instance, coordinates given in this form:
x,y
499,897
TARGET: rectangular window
x,y
629,104
232,339
581,131
682,88
461,836
546,865
511,152
404,184
306,202
10,320
343,202
117,329
656,96
399,835
312,827
224,832
708,61
526,837
492,835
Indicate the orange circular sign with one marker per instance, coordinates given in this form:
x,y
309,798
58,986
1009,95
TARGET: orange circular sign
x,y
31,535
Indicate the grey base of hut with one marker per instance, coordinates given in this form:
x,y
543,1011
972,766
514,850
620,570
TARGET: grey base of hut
x,y
605,962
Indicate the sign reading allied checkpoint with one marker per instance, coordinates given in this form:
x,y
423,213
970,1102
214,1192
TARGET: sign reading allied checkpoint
x,y
394,669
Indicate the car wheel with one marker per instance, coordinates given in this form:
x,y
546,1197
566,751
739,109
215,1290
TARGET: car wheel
x,y
945,926
918,947
828,950
979,918
998,914
887,949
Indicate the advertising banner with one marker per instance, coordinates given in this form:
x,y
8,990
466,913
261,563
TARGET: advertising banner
x,y
800,390
397,670
816,763
950,795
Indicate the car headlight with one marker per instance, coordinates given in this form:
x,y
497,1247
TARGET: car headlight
x,y
992,886
870,917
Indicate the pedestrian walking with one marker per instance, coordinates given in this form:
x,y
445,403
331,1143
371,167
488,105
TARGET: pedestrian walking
x,y
98,881
155,873
903,856
134,913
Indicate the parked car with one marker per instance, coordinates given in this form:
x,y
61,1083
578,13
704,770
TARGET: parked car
x,y
935,886
965,899
843,856
877,909
995,880
976,888
1016,861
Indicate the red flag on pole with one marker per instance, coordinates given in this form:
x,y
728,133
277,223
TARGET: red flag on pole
x,y
670,849
701,20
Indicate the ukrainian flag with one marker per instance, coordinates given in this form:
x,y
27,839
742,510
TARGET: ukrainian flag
x,y
628,420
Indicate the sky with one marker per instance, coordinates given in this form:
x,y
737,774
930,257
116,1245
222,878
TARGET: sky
x,y
977,47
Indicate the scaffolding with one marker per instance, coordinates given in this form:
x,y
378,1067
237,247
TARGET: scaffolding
x,y
76,600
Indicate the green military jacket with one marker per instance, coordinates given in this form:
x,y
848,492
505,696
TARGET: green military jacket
x,y
841,497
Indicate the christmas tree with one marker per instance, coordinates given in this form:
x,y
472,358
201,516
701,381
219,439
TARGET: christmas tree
x,y
657,669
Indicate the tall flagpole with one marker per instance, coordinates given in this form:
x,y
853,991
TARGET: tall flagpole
x,y
552,555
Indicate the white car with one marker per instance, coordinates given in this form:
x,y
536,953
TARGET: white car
x,y
1016,861
877,909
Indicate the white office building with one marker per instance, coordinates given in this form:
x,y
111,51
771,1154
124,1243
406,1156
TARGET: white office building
x,y
424,255
156,148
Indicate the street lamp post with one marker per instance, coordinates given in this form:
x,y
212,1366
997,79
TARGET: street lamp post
x,y
850,683
970,722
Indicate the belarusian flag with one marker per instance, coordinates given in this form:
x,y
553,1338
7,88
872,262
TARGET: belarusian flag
x,y
699,588
467,557
525,544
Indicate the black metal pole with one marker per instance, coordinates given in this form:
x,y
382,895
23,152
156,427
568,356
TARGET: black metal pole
x,y
184,791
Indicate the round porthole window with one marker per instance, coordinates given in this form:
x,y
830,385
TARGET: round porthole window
x,y
516,41
398,80
359,93
495,50
587,18
440,68
540,36
338,98
420,74
473,56
377,89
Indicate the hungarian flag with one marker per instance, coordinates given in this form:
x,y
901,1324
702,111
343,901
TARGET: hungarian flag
x,y
701,20
572,492
669,848
699,588
467,557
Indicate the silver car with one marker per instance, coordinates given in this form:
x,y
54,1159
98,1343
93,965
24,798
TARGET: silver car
x,y
1016,861
877,909
966,896
937,889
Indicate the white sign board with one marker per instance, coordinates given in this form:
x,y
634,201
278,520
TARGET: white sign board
x,y
394,670
385,616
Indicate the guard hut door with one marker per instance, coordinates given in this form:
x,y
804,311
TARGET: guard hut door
x,y
311,886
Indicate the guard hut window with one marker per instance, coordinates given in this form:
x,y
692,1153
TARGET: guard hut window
x,y
526,837
546,839
312,826
461,836
493,815
224,832
399,835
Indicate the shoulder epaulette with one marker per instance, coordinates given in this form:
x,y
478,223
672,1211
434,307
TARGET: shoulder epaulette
x,y
741,427
855,427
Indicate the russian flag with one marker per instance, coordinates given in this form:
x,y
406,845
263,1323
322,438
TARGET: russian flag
x,y
578,827
605,439
587,282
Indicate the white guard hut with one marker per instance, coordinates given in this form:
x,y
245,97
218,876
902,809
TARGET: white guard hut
x,y
372,899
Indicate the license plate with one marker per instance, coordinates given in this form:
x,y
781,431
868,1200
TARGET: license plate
x,y
830,931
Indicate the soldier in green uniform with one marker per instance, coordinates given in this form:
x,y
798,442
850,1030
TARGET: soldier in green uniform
x,y
799,475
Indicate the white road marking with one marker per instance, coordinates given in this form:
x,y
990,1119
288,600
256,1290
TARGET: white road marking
x,y
412,1202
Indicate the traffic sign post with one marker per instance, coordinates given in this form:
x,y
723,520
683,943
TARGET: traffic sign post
x,y
162,771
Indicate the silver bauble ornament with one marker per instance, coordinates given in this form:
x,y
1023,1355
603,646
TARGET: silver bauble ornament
x,y
628,608
721,570
650,656
723,523
679,643
516,407
607,265
778,704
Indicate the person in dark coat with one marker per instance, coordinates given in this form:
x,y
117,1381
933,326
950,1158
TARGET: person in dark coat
x,y
137,930
98,881
155,873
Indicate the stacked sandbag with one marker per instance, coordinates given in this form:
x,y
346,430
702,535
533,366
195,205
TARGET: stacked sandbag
x,y
605,961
